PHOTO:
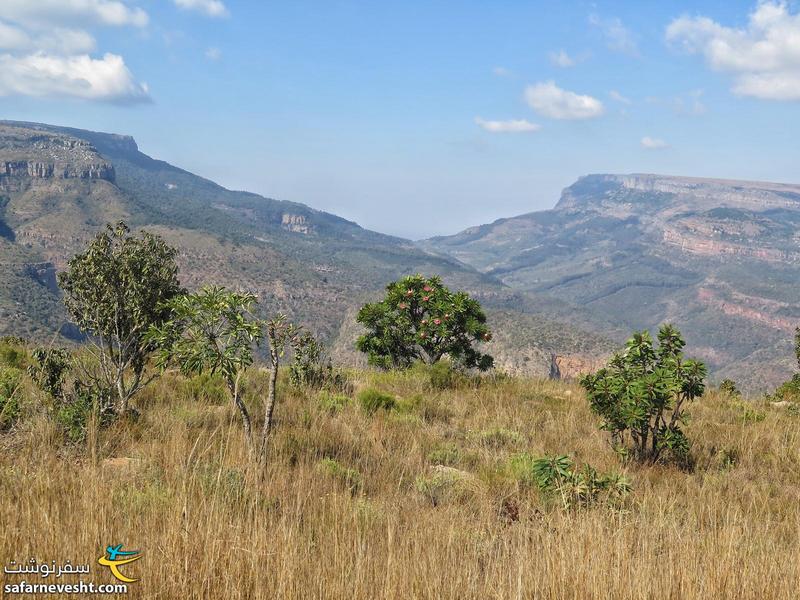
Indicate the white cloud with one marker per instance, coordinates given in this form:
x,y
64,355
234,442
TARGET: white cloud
x,y
80,76
502,72
13,38
764,57
551,101
511,126
45,50
66,41
561,59
649,143
210,8
618,37
213,53
75,12
615,95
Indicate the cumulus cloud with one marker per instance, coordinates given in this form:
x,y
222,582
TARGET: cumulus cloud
x,y
210,8
502,72
618,37
551,101
76,12
561,59
650,143
80,76
511,126
66,41
45,50
763,57
213,53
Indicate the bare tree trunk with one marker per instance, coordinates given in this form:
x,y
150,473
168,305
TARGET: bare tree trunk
x,y
233,386
122,403
270,405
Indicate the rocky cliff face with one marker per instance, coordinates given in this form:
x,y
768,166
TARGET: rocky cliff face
x,y
719,258
45,170
41,155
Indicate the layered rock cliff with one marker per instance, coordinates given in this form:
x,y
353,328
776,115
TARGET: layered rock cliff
x,y
719,258
42,155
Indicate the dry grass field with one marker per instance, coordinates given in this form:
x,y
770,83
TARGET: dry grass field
x,y
353,506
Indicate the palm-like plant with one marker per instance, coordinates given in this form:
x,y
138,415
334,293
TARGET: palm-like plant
x,y
642,395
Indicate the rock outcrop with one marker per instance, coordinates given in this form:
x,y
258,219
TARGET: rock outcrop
x,y
40,155
296,223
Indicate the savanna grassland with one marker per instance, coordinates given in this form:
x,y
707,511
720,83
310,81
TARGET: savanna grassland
x,y
428,499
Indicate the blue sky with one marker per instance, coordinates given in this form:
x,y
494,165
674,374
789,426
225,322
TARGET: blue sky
x,y
417,118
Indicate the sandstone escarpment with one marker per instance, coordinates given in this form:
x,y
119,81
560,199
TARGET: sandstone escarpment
x,y
45,170
41,155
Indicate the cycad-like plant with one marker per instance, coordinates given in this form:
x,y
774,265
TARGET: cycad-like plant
x,y
576,487
642,395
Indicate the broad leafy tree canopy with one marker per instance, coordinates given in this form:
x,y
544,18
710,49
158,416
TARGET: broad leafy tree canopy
x,y
421,319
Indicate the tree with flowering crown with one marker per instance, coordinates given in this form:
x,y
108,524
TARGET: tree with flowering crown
x,y
420,319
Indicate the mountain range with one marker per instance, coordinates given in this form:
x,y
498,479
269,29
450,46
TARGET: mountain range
x,y
59,186
720,259
562,287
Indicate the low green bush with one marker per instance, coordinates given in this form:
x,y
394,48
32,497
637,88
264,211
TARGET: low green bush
x,y
13,354
349,477
788,391
446,454
206,388
332,403
498,437
10,379
728,386
73,414
372,400
558,477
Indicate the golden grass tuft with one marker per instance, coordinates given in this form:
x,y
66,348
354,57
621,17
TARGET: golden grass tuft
x,y
339,511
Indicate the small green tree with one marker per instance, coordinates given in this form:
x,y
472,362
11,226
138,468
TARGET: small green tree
x,y
642,393
280,333
312,368
211,330
420,319
307,369
49,370
115,291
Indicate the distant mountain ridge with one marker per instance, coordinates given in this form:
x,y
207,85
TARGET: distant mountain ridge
x,y
719,258
59,186
563,287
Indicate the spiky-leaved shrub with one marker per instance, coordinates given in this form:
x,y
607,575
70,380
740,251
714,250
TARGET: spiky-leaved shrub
x,y
642,393
575,487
